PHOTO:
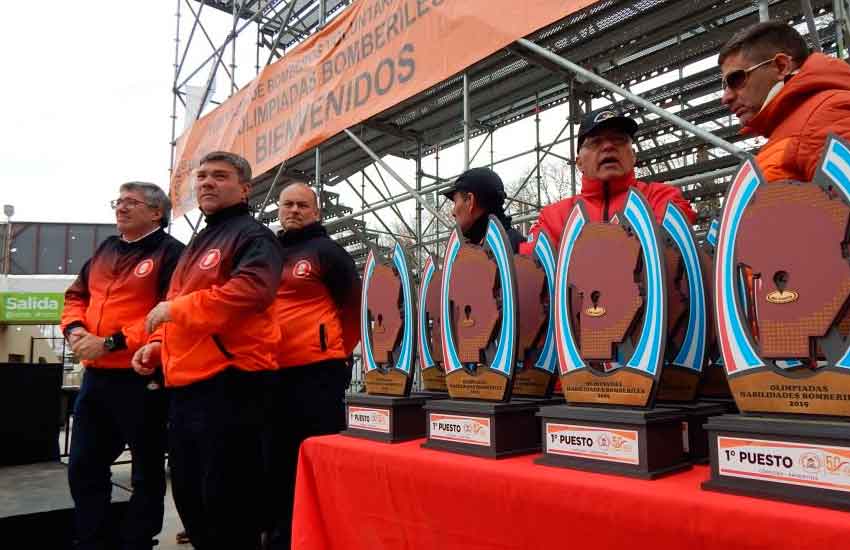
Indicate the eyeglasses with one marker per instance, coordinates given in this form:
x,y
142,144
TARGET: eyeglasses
x,y
595,142
737,78
128,202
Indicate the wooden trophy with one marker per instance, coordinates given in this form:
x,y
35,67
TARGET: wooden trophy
x,y
387,411
428,330
479,338
537,360
782,280
611,309
688,317
714,388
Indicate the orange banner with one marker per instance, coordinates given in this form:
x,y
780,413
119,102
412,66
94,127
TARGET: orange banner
x,y
374,55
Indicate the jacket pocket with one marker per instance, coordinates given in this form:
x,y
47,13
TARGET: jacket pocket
x,y
220,346
322,343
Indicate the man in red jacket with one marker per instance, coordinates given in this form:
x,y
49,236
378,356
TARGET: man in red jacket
x,y
104,321
779,90
607,161
217,339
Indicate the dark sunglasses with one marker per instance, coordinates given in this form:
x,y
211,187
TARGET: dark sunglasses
x,y
737,78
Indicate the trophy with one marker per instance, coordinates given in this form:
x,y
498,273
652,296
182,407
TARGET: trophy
x,y
611,312
428,329
537,360
782,280
714,388
479,320
387,411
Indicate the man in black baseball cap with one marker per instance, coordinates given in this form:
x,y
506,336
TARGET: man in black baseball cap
x,y
476,194
606,158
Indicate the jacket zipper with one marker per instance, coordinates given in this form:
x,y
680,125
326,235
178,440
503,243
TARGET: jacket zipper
x,y
322,342
605,201
221,347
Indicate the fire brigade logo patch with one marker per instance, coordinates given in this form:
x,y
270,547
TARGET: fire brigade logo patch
x,y
210,259
144,268
302,269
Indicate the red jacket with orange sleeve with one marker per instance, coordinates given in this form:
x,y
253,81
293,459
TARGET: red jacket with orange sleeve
x,y
603,200
221,301
318,300
812,104
115,290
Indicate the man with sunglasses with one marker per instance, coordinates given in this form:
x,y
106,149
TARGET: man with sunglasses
x,y
781,91
606,159
104,321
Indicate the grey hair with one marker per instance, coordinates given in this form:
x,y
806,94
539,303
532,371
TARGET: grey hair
x,y
155,197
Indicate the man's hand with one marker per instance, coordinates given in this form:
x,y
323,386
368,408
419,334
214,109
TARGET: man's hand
x,y
75,334
88,346
147,358
158,315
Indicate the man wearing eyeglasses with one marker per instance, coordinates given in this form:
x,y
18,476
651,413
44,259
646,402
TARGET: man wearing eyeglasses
x,y
104,321
606,158
781,91
216,337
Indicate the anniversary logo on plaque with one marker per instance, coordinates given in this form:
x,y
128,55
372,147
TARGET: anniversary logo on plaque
x,y
429,327
782,280
537,360
611,325
387,411
479,320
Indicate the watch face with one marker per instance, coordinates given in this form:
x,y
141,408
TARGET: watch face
x,y
109,344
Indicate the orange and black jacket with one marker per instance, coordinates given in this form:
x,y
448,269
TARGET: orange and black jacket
x,y
318,300
117,288
221,301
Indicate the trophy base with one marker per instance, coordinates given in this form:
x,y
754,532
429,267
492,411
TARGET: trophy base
x,y
430,394
803,461
694,436
482,428
631,442
727,402
385,418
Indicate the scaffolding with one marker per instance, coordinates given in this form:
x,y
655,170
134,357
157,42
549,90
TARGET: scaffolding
x,y
661,49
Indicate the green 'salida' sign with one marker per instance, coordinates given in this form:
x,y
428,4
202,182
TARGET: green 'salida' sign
x,y
33,308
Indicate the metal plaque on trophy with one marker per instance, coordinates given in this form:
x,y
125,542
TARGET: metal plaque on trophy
x,y
428,329
782,279
537,360
611,310
479,320
387,411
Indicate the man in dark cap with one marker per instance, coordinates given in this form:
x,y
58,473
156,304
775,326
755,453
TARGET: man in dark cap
x,y
476,194
606,159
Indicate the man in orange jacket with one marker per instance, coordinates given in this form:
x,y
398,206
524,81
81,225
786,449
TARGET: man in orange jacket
x,y
781,91
217,338
607,161
104,321
318,311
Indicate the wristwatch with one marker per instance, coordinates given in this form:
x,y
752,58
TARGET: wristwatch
x,y
114,342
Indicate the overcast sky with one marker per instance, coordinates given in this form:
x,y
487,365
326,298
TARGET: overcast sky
x,y
87,106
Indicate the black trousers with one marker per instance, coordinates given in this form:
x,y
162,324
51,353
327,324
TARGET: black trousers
x,y
115,408
215,453
307,401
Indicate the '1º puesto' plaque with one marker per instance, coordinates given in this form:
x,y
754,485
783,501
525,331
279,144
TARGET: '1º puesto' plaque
x,y
782,293
429,327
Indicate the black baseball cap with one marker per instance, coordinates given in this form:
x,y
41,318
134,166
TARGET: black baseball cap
x,y
483,182
606,117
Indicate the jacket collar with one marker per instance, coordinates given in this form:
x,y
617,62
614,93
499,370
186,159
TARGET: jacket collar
x,y
593,188
294,236
227,213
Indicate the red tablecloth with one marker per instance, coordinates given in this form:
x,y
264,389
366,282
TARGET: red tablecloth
x,y
359,494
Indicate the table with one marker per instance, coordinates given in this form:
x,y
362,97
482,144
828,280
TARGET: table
x,y
360,494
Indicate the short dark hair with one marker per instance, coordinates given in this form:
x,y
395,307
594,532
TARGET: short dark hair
x,y
243,168
764,40
155,197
